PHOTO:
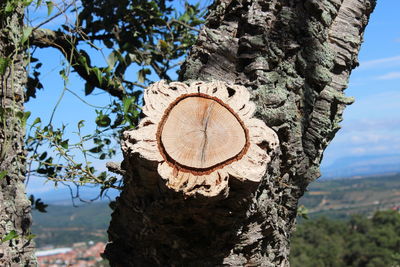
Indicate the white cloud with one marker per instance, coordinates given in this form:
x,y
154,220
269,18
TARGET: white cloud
x,y
358,150
388,126
389,76
369,137
38,185
371,150
379,62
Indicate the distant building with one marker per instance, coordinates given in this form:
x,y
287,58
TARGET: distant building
x,y
80,255
396,208
52,252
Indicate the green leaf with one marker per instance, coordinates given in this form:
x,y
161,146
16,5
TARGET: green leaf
x,y
163,45
9,7
50,6
98,73
26,32
302,212
41,171
38,3
64,144
63,75
102,176
83,61
81,124
103,120
107,141
96,149
3,174
9,236
4,63
40,206
27,2
112,59
142,74
185,17
108,43
36,121
88,88
25,117
43,156
127,102
31,236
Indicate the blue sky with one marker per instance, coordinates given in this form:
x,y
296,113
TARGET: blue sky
x,y
371,125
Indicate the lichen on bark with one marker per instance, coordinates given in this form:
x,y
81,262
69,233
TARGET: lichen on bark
x,y
15,218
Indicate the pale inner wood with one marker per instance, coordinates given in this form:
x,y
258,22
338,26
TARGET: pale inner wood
x,y
200,133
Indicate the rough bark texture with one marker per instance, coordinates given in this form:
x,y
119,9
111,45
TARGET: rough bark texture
x,y
14,206
295,57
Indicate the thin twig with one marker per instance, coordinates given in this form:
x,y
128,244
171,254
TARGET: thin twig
x,y
51,18
84,101
184,24
135,84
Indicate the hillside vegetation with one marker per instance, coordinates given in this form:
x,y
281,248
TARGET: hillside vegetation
x,y
64,225
343,197
357,242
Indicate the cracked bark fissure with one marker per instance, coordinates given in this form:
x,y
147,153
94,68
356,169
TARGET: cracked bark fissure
x,y
295,57
206,117
14,206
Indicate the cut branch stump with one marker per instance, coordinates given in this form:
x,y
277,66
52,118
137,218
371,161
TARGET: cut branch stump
x,y
201,135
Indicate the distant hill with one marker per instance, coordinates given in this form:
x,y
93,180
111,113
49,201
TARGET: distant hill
x,y
340,198
346,167
64,225
362,166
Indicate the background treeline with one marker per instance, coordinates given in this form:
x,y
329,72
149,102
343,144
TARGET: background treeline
x,y
359,241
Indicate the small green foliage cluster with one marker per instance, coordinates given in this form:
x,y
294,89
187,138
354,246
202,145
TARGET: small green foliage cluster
x,y
4,63
360,241
11,235
9,6
37,204
58,163
150,34
302,212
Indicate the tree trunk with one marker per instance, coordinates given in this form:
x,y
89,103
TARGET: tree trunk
x,y
15,217
295,57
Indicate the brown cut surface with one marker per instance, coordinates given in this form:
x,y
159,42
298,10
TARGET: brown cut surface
x,y
199,132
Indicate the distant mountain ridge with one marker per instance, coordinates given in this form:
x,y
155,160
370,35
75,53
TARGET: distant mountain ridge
x,y
348,167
